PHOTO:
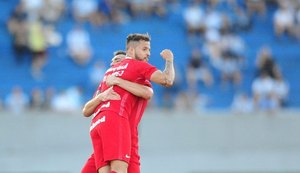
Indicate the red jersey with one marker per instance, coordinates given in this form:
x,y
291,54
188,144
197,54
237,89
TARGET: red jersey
x,y
131,70
137,113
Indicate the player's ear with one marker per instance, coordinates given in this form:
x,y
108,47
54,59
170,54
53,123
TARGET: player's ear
x,y
130,51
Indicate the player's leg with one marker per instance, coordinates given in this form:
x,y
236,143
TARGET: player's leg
x,y
90,166
104,169
119,166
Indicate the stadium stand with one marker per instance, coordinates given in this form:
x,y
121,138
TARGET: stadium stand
x,y
169,31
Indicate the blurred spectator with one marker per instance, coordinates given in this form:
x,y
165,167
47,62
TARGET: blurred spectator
x,y
198,71
116,11
49,97
37,99
38,47
17,101
52,10
242,22
158,8
111,11
18,28
256,6
231,68
84,10
191,101
231,42
79,46
200,101
68,100
242,104
194,18
227,25
284,18
104,12
182,101
148,8
265,62
53,37
297,24
213,47
232,57
281,89
263,93
213,19
33,8
167,100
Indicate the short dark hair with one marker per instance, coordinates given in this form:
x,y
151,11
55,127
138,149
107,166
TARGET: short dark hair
x,y
119,52
138,37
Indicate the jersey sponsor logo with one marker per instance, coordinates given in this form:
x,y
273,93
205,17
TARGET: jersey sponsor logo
x,y
121,67
101,120
118,73
103,106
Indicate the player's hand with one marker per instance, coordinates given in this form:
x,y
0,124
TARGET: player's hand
x,y
111,80
167,54
109,94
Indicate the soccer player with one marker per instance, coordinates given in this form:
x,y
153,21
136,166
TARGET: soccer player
x,y
110,128
118,56
143,92
136,89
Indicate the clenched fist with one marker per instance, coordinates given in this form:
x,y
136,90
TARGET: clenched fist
x,y
167,54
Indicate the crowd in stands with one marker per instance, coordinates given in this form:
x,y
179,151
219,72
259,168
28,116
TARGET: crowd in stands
x,y
213,30
224,49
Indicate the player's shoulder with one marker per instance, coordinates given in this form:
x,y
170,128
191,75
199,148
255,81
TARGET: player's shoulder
x,y
137,62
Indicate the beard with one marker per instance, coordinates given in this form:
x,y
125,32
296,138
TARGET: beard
x,y
137,57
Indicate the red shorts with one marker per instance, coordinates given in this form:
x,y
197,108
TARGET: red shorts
x,y
134,164
133,167
111,138
90,166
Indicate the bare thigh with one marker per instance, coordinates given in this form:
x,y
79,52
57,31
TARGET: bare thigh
x,y
104,169
119,166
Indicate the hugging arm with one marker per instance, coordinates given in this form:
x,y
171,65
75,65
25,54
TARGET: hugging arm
x,y
91,105
134,88
109,94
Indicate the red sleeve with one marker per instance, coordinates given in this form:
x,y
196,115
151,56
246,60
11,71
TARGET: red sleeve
x,y
98,91
147,69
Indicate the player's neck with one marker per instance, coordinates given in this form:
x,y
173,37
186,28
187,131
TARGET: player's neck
x,y
128,57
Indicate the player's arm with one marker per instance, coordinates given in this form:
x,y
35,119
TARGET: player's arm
x,y
134,88
165,78
91,105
